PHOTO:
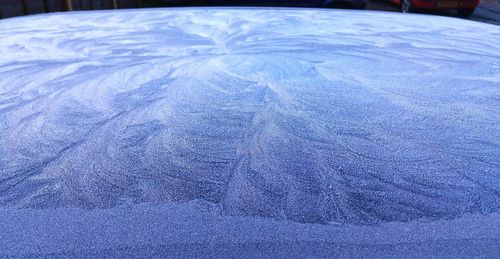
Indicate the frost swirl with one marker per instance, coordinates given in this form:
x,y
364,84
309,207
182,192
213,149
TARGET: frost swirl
x,y
307,115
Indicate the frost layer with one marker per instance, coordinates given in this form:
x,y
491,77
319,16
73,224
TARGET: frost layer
x,y
307,115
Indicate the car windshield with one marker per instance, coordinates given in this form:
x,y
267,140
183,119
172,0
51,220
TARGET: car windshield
x,y
218,128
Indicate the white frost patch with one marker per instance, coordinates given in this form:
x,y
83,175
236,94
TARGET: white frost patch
x,y
317,116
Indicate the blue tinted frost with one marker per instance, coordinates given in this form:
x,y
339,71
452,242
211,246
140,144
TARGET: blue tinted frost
x,y
311,116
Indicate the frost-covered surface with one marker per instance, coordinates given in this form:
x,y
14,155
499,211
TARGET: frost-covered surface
x,y
193,230
331,117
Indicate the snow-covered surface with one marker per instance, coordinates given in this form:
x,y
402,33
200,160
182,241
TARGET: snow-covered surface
x,y
228,131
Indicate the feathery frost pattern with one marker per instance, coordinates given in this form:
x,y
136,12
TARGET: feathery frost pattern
x,y
307,115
